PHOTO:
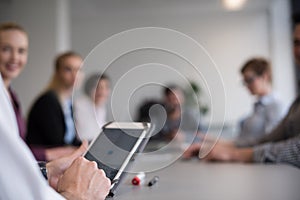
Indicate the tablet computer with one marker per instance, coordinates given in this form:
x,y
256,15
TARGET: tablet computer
x,y
115,147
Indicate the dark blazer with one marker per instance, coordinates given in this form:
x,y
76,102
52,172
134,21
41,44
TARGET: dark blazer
x,y
46,123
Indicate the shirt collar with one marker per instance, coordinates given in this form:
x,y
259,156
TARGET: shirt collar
x,y
267,99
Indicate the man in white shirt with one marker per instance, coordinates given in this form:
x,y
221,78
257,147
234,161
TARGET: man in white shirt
x,y
73,177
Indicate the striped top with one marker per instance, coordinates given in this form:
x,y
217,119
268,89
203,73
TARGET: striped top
x,y
282,145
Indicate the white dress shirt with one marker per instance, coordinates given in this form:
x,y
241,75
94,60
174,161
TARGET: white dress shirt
x,y
267,112
89,118
20,177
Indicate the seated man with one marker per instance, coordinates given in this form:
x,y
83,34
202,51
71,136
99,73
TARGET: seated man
x,y
281,145
268,108
178,121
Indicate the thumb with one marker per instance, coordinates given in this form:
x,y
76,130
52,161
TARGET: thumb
x,y
80,151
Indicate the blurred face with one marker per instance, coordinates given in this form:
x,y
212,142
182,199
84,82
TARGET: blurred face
x,y
174,98
13,54
68,70
297,44
102,92
255,84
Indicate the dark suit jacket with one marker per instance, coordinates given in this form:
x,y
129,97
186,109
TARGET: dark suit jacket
x,y
46,123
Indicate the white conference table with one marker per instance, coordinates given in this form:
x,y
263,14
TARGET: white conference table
x,y
195,179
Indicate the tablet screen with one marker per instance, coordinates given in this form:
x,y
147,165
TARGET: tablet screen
x,y
111,148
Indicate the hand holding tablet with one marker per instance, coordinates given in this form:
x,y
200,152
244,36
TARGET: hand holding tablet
x,y
115,146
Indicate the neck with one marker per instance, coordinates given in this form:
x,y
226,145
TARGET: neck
x,y
99,103
64,94
265,92
6,83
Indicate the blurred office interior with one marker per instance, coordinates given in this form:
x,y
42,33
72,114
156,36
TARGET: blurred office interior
x,y
230,36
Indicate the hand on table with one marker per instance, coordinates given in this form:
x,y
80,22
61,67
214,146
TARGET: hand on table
x,y
212,149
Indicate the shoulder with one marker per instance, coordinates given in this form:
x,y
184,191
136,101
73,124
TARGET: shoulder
x,y
82,100
47,97
46,100
190,114
273,101
276,108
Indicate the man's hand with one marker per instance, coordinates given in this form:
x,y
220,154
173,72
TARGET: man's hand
x,y
192,151
211,149
58,152
57,167
219,152
226,151
205,146
83,180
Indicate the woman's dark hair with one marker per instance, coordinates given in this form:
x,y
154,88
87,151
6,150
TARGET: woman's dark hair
x,y
169,89
92,82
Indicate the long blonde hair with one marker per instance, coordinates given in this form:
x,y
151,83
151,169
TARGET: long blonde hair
x,y
7,26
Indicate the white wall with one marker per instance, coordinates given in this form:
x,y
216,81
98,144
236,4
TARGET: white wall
x,y
281,50
40,25
44,23
229,37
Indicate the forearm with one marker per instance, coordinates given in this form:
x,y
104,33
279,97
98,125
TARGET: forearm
x,y
242,154
287,151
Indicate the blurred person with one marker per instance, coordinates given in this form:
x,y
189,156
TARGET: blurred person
x,y
296,52
268,109
296,43
13,58
281,145
181,123
91,109
73,177
50,120
173,101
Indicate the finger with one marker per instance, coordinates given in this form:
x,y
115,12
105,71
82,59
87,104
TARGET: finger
x,y
99,179
191,151
80,151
